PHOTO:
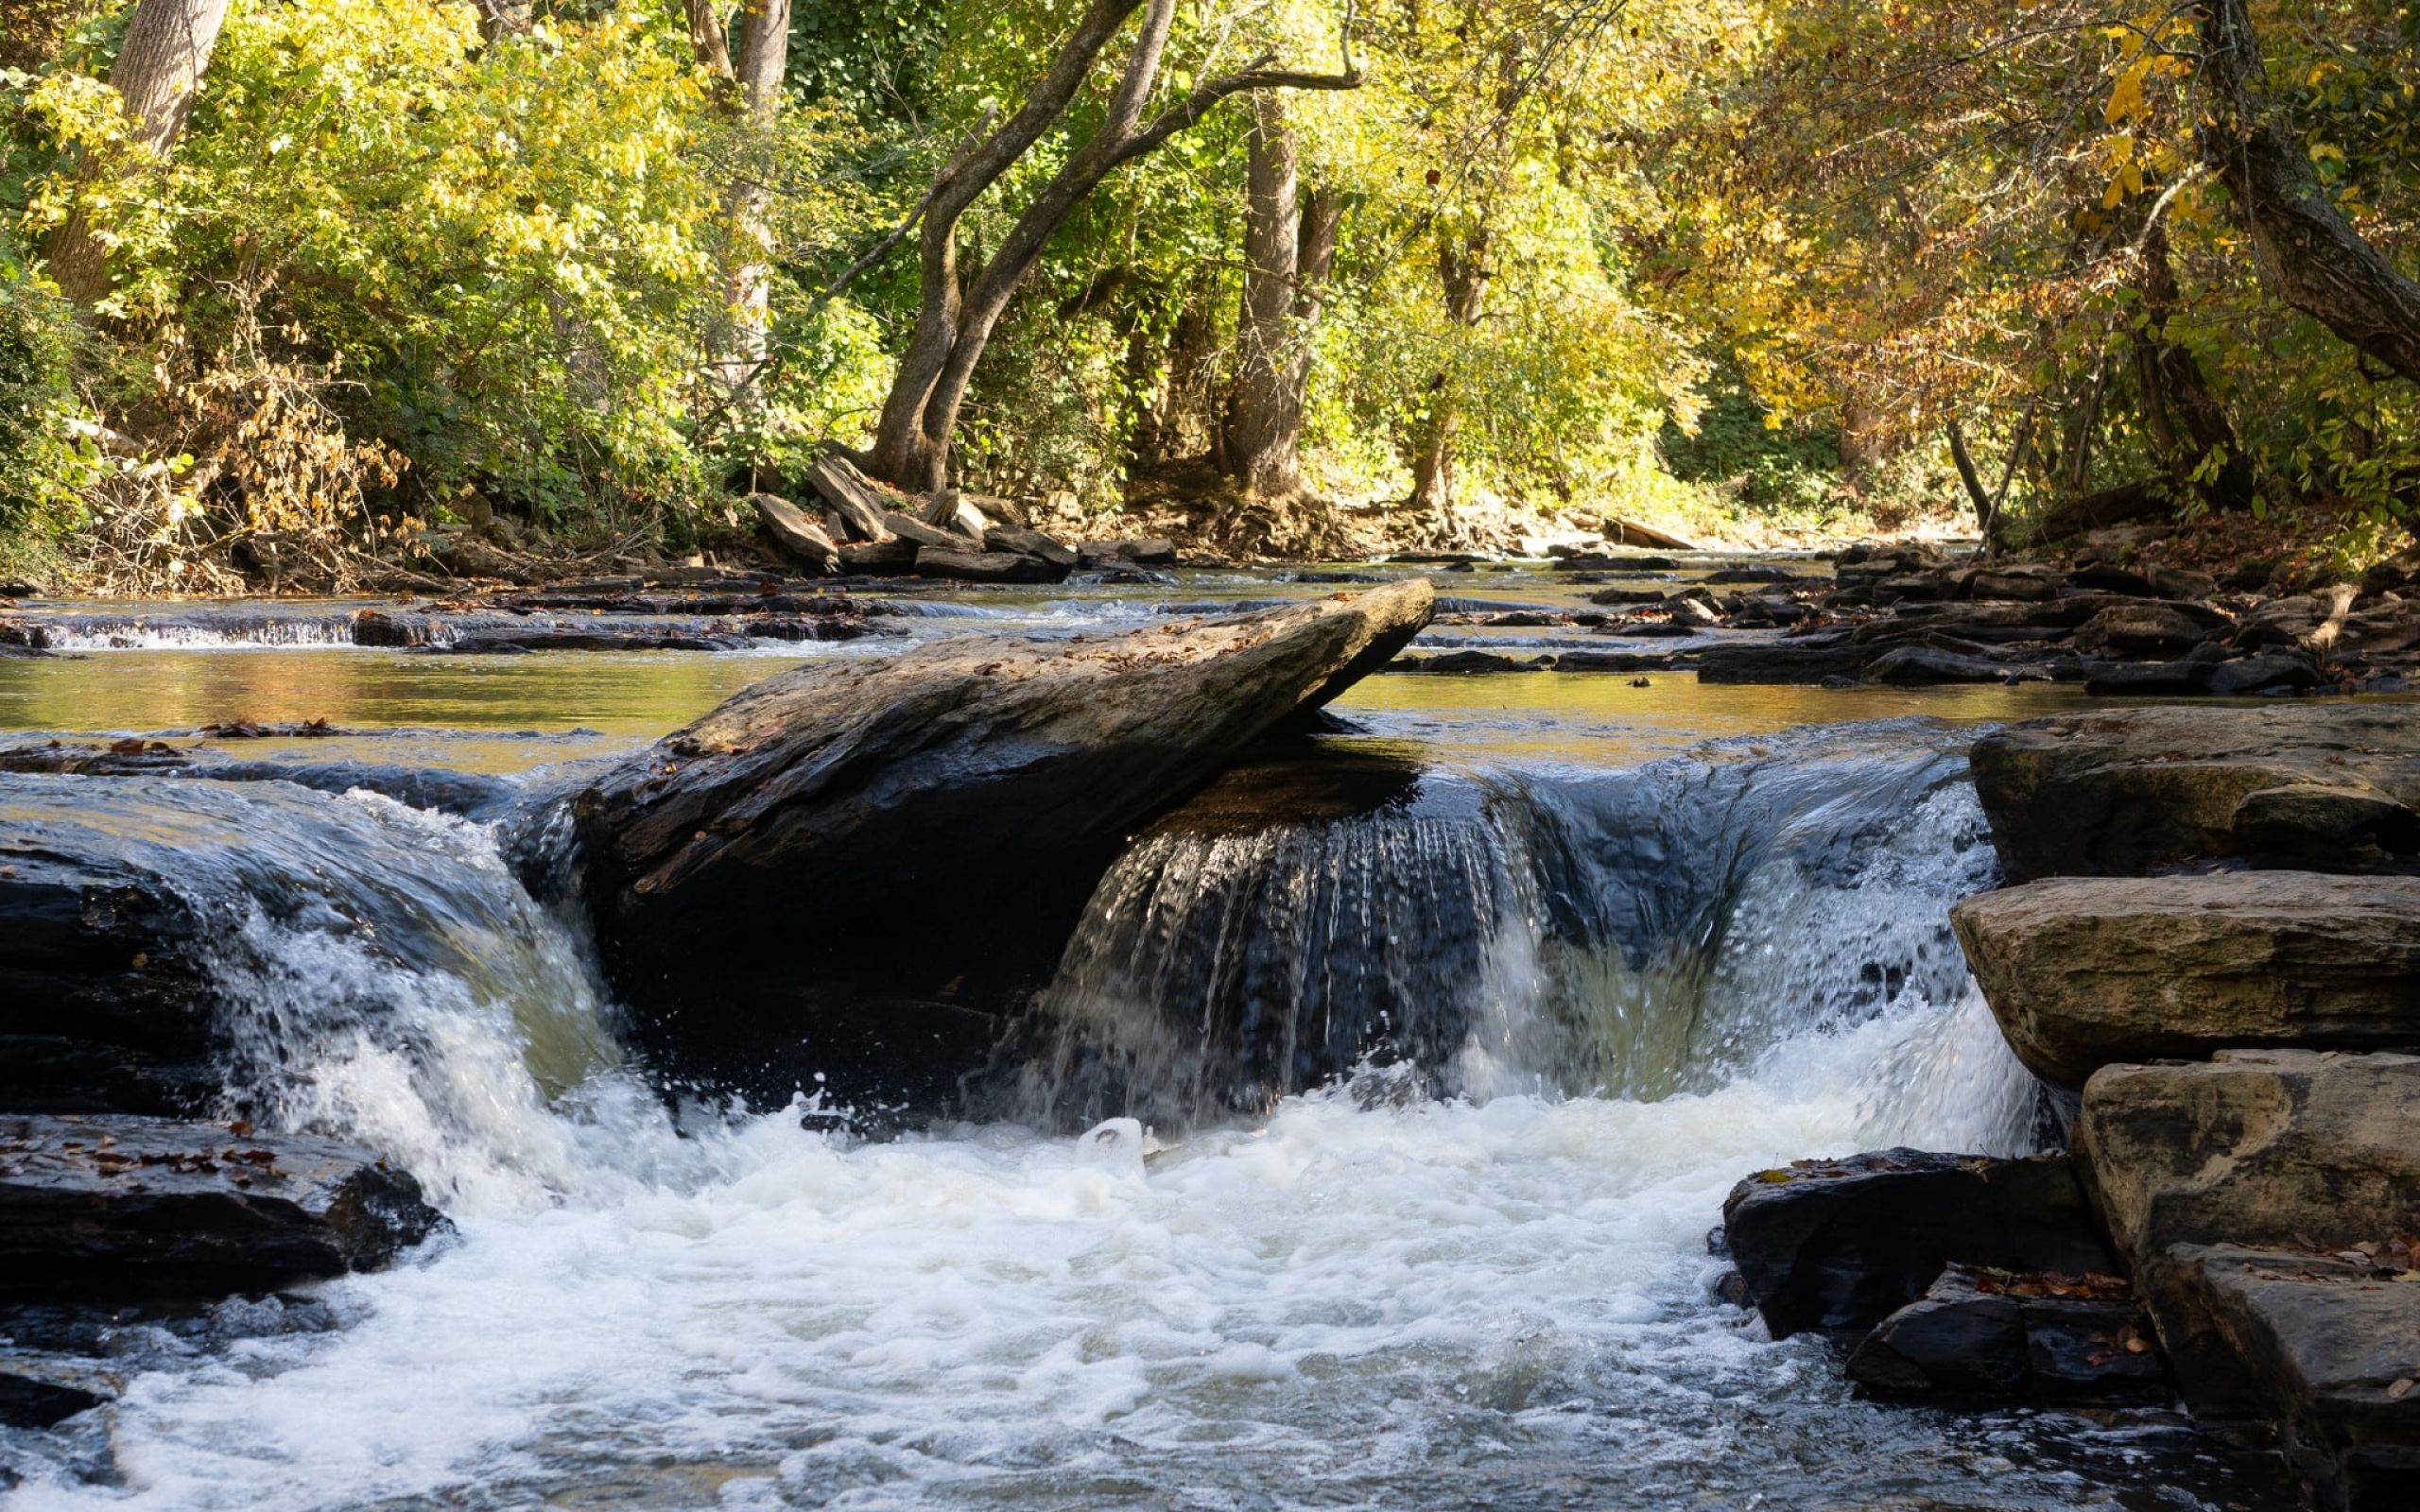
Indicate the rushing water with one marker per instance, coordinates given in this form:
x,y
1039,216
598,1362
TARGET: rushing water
x,y
1444,1088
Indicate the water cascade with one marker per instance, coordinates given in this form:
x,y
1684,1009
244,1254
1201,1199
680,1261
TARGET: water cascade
x,y
1443,1082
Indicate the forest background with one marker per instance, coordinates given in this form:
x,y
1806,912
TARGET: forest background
x,y
291,286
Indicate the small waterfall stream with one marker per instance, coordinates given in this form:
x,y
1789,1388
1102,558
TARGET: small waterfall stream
x,y
1446,1074
1632,934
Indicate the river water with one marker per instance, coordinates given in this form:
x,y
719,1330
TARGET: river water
x,y
1629,944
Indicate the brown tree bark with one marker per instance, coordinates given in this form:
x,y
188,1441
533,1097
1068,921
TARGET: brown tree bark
x,y
1289,241
2188,423
955,312
2308,255
1461,270
159,68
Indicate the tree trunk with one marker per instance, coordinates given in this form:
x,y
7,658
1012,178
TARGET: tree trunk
x,y
503,18
2308,255
1462,271
2175,389
1289,241
739,341
158,70
955,317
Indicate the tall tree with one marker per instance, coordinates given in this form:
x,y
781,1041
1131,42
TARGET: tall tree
x,y
750,83
159,68
2308,253
956,311
1462,275
1289,243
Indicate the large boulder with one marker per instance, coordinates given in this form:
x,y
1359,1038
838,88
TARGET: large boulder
x,y
927,828
2270,1147
1843,1244
2269,1202
2135,790
124,1209
2083,971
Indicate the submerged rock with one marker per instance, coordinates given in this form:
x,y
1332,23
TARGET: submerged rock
x,y
928,827
106,1209
2083,971
2129,791
1843,1244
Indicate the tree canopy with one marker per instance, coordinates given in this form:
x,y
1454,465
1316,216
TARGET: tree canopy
x,y
311,276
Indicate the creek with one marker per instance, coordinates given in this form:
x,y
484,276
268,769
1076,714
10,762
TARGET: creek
x,y
1589,951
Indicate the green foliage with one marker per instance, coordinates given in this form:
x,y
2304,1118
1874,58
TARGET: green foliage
x,y
44,462
1737,445
1657,256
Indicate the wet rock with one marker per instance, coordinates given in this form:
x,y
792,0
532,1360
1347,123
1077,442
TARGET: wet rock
x,y
1800,659
2276,672
1031,544
33,1398
119,1208
1750,575
1843,1244
822,819
1926,667
97,986
2130,791
1470,662
1095,555
2083,971
986,566
1618,661
2326,1346
19,588
2043,1337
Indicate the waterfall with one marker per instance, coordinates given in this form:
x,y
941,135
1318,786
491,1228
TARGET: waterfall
x,y
1631,934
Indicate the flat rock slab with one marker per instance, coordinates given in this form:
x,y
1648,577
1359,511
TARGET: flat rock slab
x,y
2259,1147
928,825
118,1208
2087,972
1843,1244
2130,791
2328,1347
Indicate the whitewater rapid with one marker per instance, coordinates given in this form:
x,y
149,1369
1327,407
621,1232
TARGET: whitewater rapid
x,y
1365,1295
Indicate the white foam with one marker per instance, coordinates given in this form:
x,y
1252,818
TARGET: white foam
x,y
990,1308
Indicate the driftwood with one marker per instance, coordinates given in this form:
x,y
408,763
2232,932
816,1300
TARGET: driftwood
x,y
2127,503
1631,533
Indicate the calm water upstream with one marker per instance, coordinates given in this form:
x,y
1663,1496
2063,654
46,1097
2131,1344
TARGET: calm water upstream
x,y
1665,936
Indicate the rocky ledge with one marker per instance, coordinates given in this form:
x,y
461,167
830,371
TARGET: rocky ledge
x,y
125,1209
2215,935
